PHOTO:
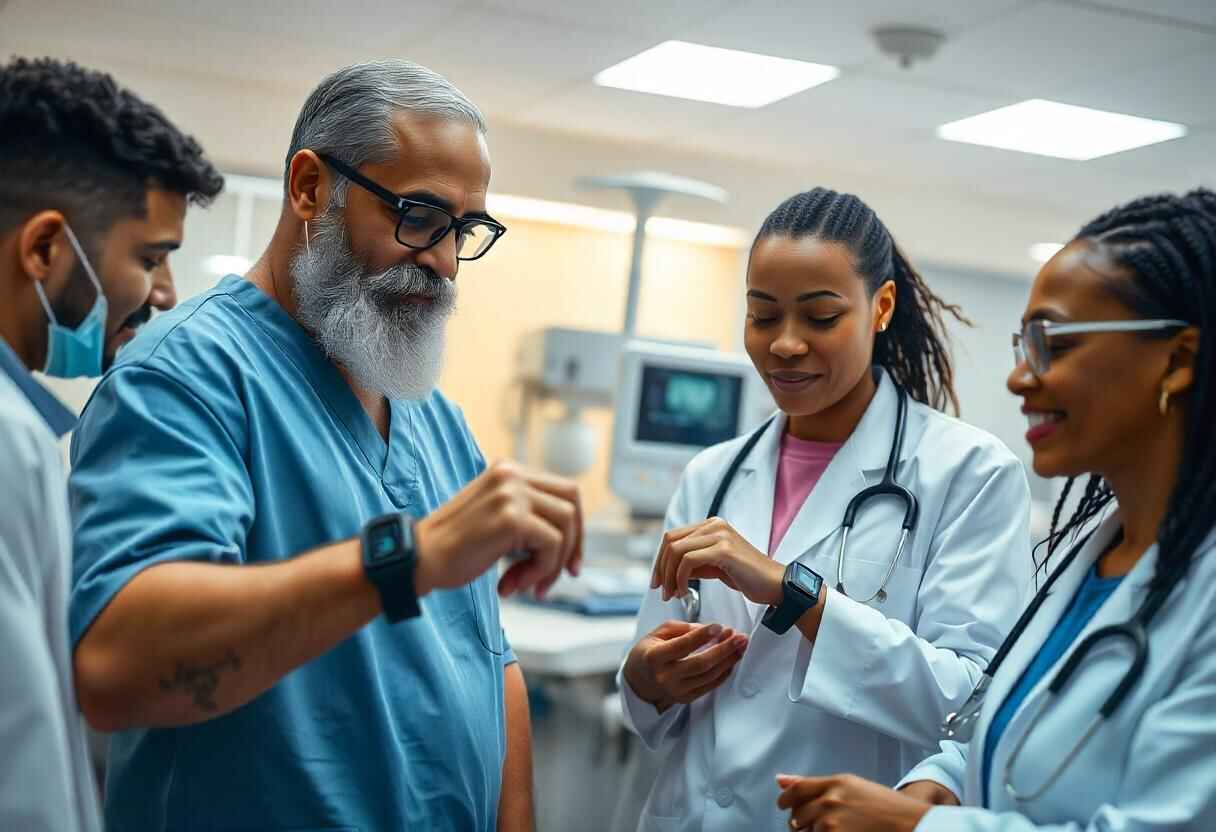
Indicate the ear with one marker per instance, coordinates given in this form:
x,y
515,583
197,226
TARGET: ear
x,y
1181,373
40,243
884,305
308,185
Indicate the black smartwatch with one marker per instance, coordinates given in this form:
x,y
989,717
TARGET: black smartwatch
x,y
389,557
801,587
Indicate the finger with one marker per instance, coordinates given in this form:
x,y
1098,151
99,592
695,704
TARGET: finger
x,y
729,649
694,562
671,628
709,679
804,789
676,552
562,515
677,648
806,815
714,682
543,543
567,491
669,537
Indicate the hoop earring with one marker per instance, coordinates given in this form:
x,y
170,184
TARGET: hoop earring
x,y
1163,404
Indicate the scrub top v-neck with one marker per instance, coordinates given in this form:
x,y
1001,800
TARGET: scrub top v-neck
x,y
223,434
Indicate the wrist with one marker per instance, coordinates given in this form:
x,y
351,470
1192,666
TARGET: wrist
x,y
774,584
426,563
634,679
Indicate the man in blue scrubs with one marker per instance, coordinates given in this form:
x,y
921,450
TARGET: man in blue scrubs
x,y
94,185
283,599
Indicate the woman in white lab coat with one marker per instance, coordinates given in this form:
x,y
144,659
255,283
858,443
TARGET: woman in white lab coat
x,y
836,319
1136,411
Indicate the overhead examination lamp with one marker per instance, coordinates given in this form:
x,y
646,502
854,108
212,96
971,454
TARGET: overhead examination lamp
x,y
646,189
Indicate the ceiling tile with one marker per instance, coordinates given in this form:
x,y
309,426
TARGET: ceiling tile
x,y
617,114
661,19
371,25
827,31
506,61
1202,12
1041,50
1176,90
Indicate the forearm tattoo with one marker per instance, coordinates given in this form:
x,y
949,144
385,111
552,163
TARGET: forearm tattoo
x,y
200,681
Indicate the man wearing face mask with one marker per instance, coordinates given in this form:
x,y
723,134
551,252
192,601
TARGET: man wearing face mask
x,y
94,185
284,590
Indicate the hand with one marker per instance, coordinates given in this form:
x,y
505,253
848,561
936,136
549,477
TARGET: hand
x,y
664,668
712,549
932,793
508,508
845,801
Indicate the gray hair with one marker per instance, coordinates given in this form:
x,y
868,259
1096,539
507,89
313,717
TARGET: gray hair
x,y
350,113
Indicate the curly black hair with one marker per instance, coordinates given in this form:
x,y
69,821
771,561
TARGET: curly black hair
x,y
915,350
72,139
1166,245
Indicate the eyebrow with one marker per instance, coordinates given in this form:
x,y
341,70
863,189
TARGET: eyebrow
x,y
803,298
163,245
1045,315
435,200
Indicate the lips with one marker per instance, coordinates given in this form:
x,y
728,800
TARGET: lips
x,y
791,381
1043,423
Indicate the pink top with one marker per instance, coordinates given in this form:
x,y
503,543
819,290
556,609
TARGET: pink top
x,y
799,466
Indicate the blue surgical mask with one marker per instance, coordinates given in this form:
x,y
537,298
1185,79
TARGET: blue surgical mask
x,y
76,352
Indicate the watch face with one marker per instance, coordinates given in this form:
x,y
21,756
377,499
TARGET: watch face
x,y
806,581
385,540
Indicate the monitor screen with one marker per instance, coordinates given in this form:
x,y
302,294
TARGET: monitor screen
x,y
686,407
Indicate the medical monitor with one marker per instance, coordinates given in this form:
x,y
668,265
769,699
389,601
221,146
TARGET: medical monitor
x,y
671,403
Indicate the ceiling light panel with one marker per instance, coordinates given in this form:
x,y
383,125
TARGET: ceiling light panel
x,y
1064,131
718,76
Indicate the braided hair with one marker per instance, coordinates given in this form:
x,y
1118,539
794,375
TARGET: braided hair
x,y
1167,244
914,349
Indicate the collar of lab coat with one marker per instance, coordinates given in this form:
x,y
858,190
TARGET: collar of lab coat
x,y
1118,608
864,453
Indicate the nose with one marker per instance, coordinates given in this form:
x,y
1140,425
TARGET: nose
x,y
441,257
1021,380
788,344
164,293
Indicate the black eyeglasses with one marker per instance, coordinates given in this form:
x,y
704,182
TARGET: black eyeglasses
x,y
421,225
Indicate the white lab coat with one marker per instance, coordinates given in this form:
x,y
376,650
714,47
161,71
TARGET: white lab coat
x,y
1151,767
870,696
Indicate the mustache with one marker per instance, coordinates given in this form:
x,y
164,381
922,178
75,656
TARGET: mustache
x,y
408,279
140,317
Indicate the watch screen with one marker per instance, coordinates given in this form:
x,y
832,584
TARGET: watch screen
x,y
807,581
385,540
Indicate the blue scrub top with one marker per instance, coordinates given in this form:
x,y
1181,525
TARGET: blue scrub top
x,y
224,435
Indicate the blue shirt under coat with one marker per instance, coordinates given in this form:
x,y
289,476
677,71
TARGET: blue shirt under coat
x,y
1090,597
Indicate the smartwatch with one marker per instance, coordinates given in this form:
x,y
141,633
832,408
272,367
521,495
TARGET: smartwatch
x,y
389,557
801,587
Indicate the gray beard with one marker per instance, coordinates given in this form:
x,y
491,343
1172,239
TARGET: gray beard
x,y
359,321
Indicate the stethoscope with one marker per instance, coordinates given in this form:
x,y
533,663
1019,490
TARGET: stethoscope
x,y
888,487
960,725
